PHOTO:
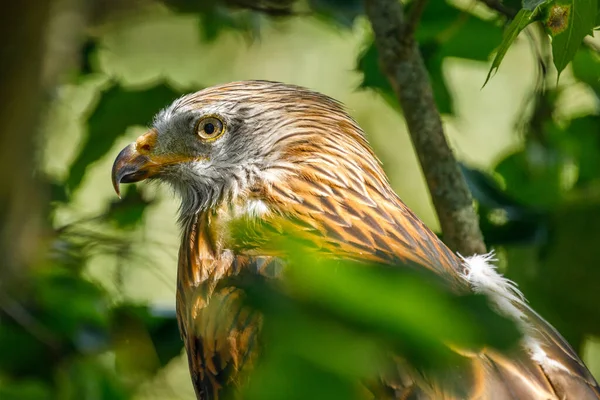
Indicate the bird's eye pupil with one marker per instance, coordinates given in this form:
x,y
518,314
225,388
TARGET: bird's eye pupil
x,y
209,128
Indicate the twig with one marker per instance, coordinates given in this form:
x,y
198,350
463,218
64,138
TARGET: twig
x,y
401,61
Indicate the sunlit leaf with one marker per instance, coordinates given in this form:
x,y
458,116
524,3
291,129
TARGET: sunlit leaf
x,y
117,109
568,22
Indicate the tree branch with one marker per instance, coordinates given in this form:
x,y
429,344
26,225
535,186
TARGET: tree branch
x,y
22,29
401,61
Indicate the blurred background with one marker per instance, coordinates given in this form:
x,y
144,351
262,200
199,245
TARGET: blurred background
x,y
93,315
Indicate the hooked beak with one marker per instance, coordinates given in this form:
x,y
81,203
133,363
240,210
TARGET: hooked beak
x,y
135,162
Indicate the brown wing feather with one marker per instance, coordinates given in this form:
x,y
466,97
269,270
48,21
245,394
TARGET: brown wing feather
x,y
220,332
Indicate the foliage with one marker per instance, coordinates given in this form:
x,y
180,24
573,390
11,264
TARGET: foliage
x,y
333,323
567,23
540,205
65,335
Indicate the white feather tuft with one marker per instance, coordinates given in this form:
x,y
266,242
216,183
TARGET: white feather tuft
x,y
484,278
256,208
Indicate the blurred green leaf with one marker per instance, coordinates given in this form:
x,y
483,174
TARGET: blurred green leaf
x,y
73,307
285,376
87,57
503,219
342,12
217,20
24,390
117,109
568,22
523,18
87,378
469,37
444,31
146,339
532,5
586,67
337,321
582,142
533,176
23,355
393,300
489,194
566,263
373,78
128,211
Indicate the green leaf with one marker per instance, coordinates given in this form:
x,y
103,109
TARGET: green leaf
x,y
523,18
533,176
342,12
145,339
532,5
128,211
373,78
117,109
582,142
568,22
503,219
25,390
392,296
586,68
444,31
471,38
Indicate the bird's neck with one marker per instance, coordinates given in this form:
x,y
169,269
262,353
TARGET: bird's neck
x,y
365,222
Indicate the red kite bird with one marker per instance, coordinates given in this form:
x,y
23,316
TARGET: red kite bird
x,y
268,151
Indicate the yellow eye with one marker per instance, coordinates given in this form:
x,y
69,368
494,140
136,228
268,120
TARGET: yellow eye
x,y
210,128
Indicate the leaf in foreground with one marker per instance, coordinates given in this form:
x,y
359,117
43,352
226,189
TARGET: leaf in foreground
x,y
568,22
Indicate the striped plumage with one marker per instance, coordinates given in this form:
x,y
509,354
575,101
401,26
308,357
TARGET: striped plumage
x,y
292,159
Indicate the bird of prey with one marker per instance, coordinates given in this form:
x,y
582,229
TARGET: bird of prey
x,y
281,154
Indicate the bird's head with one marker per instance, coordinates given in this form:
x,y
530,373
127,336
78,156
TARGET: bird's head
x,y
243,142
